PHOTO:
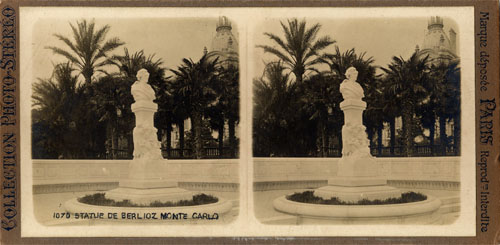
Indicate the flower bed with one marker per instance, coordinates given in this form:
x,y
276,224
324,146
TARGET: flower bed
x,y
99,199
309,197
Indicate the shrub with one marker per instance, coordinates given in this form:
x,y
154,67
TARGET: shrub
x,y
309,197
99,199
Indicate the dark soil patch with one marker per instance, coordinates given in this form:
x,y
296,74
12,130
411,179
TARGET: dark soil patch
x,y
309,197
99,199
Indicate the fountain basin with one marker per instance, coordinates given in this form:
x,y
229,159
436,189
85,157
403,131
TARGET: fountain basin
x,y
146,196
206,211
423,212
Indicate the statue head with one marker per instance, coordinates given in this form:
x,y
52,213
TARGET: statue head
x,y
143,75
351,74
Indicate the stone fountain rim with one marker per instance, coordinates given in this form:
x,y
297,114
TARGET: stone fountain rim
x,y
357,211
222,206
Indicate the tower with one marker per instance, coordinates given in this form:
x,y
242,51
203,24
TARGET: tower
x,y
437,45
224,44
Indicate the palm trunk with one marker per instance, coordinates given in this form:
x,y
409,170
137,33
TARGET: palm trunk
x,y
130,145
181,137
341,145
88,76
320,142
196,123
432,132
456,133
442,135
232,136
298,77
408,135
169,138
324,134
326,142
408,129
114,142
379,138
369,133
109,140
221,139
392,125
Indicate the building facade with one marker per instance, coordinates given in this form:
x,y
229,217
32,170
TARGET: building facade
x,y
439,46
224,44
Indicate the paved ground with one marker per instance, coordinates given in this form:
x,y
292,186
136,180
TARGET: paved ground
x,y
45,205
265,212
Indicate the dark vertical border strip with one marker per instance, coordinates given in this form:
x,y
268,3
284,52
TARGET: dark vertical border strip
x,y
9,121
487,123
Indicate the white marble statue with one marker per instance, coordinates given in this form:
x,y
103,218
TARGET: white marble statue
x,y
349,88
146,144
141,91
355,142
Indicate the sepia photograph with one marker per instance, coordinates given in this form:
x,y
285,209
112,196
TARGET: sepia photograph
x,y
135,120
357,121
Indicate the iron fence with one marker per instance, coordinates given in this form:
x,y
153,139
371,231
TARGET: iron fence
x,y
173,153
227,152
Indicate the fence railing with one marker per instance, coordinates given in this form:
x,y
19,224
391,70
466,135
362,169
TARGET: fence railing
x,y
207,153
398,151
213,152
118,154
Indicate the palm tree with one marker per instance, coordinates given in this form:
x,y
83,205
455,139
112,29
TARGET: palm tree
x,y
339,63
55,104
113,103
375,113
89,49
228,105
233,110
299,50
275,103
320,97
446,77
179,116
391,109
128,64
432,105
453,101
172,111
407,81
194,83
215,114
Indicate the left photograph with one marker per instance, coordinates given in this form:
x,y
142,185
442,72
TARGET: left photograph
x,y
134,120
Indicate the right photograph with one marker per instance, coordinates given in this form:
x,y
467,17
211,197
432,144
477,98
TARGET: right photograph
x,y
357,121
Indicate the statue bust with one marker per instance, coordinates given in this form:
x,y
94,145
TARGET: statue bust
x,y
146,145
141,91
349,88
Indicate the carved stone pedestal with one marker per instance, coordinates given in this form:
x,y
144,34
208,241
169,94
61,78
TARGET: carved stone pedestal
x,y
145,196
358,176
145,183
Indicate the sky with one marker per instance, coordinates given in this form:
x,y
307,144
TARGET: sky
x,y
381,38
170,39
173,39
